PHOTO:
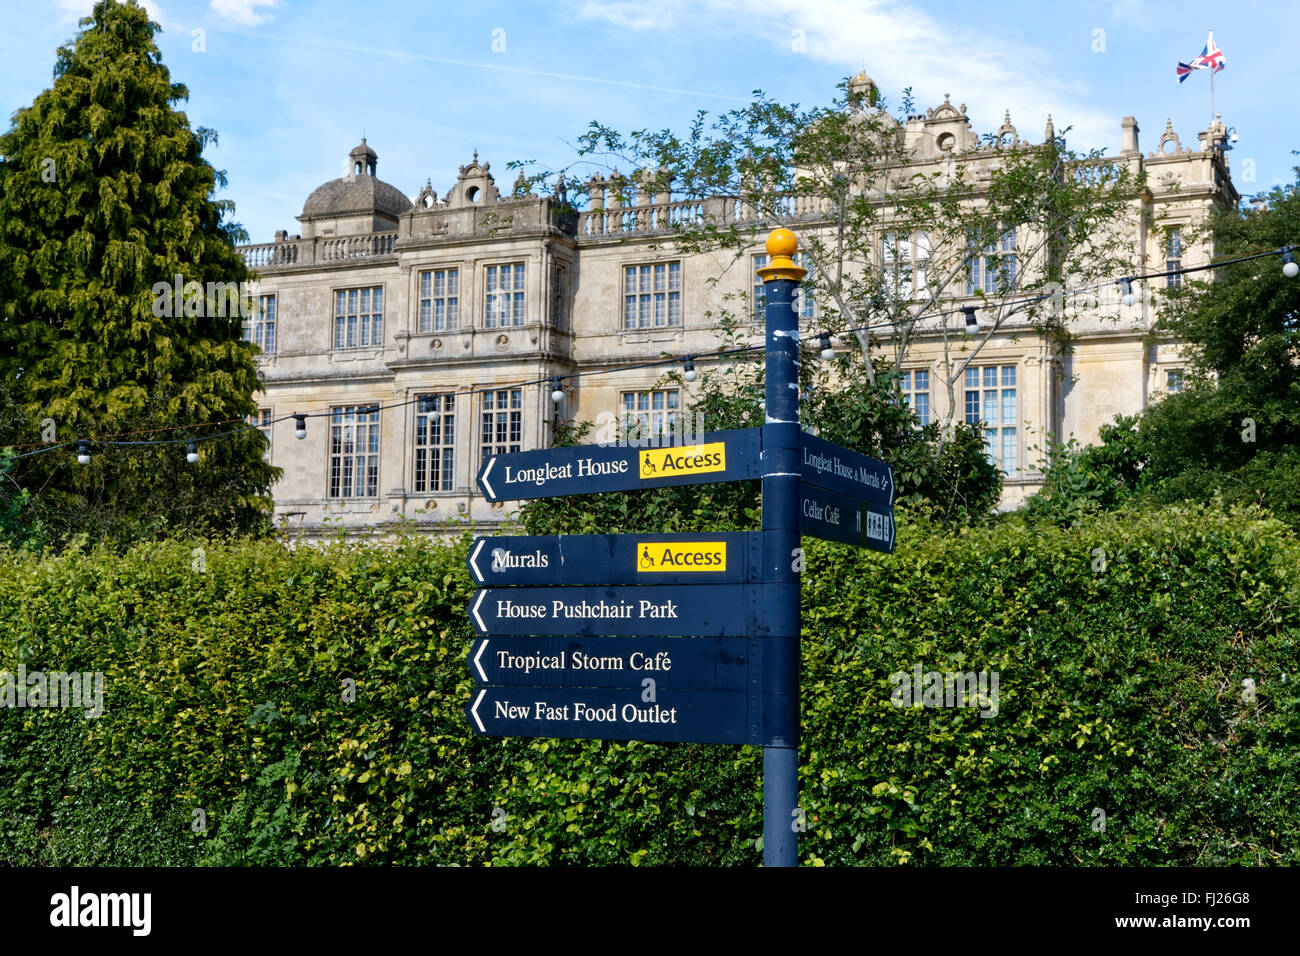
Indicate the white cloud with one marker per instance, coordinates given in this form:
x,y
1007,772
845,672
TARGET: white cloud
x,y
630,16
899,46
243,12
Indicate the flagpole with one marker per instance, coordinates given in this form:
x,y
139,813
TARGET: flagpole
x,y
1212,72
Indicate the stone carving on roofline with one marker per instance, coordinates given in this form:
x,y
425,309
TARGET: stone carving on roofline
x,y
939,131
474,187
1006,134
946,110
1169,136
521,190
616,189
428,197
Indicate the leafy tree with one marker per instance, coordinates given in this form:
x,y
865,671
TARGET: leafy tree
x,y
1242,326
891,241
1235,428
1080,480
18,524
104,199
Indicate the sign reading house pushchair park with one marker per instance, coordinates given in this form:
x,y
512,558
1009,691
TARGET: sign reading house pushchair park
x,y
672,637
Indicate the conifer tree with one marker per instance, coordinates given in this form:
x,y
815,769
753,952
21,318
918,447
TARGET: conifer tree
x,y
105,197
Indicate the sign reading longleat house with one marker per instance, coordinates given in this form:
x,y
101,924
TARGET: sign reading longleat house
x,y
588,469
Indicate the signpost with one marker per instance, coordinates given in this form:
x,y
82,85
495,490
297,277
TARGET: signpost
x,y
845,496
782,444
683,637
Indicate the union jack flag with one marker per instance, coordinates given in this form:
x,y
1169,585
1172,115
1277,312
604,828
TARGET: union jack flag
x,y
1211,59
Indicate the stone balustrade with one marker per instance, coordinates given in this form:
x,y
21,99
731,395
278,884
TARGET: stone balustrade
x,y
307,252
355,247
666,217
639,220
273,254
617,222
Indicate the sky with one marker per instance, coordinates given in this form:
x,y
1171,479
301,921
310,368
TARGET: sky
x,y
291,86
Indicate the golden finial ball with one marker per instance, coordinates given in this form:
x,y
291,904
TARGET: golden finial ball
x,y
781,243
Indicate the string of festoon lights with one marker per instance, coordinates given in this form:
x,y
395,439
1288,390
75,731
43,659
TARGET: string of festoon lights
x,y
825,345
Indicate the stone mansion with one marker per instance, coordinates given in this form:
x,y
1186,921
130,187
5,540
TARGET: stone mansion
x,y
458,311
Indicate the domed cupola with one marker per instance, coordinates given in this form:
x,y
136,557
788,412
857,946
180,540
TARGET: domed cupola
x,y
359,202
863,92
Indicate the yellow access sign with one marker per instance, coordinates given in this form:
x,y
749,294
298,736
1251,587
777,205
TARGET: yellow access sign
x,y
681,556
683,460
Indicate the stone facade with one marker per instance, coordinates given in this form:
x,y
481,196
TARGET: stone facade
x,y
479,292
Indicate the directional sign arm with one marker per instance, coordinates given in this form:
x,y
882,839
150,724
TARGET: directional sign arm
x,y
711,610
615,559
847,472
718,717
590,469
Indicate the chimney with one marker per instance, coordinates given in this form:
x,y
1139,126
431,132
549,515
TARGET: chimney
x,y
1130,127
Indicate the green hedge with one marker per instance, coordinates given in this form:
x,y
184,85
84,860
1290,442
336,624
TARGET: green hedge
x,y
1120,690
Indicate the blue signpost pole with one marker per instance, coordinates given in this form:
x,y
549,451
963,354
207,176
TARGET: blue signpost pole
x,y
781,539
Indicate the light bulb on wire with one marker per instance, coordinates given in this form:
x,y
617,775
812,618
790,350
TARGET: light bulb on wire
x,y
300,427
557,390
191,451
972,319
1126,291
83,452
828,352
1289,267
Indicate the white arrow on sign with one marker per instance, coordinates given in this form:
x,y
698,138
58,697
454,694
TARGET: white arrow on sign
x,y
473,711
473,558
481,672
474,610
487,471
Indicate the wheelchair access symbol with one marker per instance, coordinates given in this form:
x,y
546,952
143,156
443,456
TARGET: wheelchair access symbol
x,y
646,560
